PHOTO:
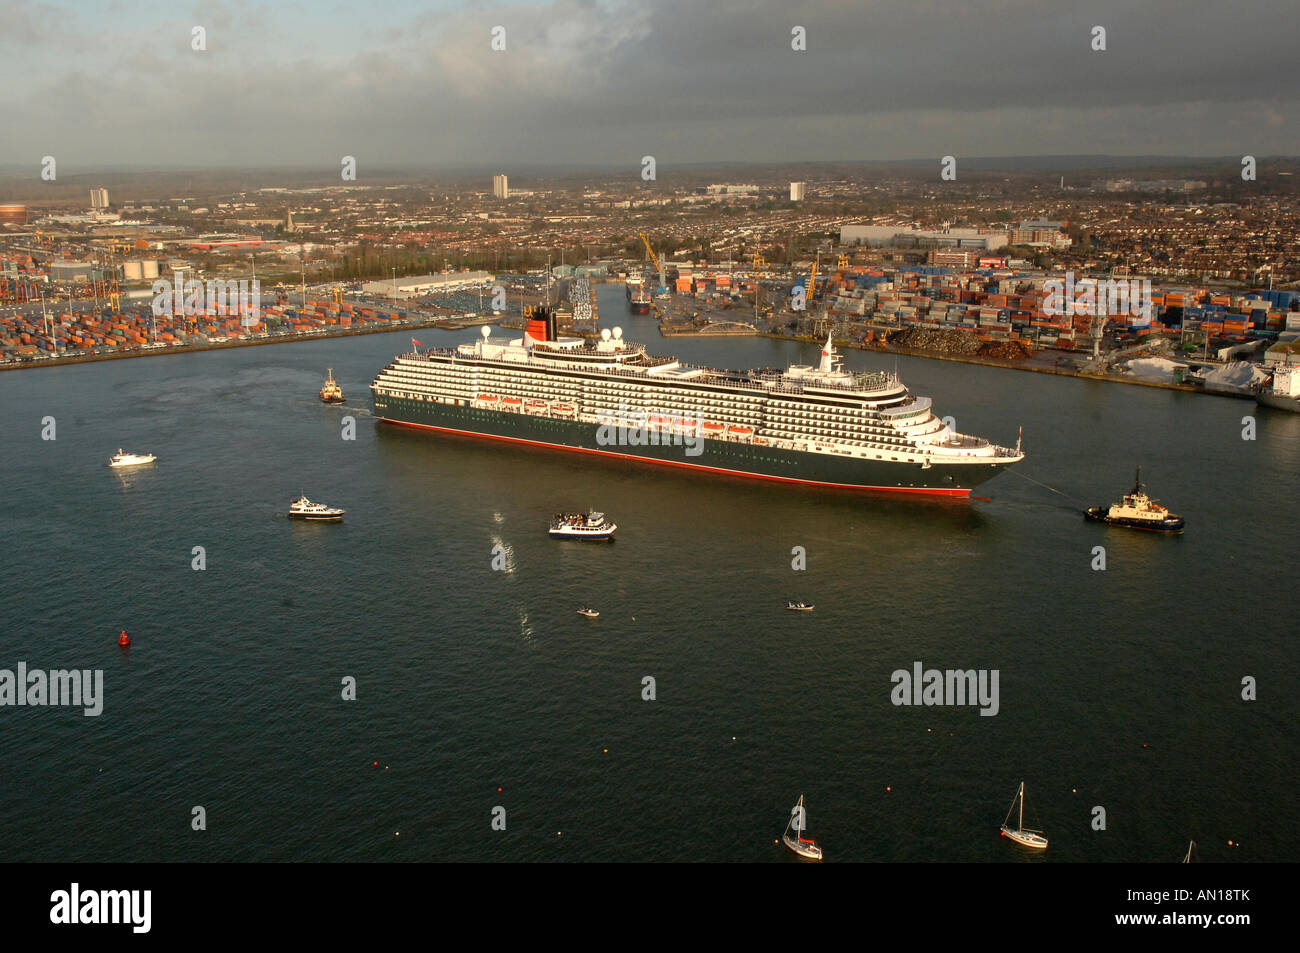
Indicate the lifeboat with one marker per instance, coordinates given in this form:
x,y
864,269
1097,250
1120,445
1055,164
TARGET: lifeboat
x,y
710,427
487,398
563,409
535,406
737,431
514,403
760,441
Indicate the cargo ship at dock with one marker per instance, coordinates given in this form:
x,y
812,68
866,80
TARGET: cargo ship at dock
x,y
818,425
638,298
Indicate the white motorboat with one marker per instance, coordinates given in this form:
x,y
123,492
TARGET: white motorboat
x,y
123,459
304,509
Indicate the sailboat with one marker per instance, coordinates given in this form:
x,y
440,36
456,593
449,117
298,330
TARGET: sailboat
x,y
804,848
1025,838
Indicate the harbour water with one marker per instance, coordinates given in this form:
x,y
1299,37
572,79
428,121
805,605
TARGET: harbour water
x,y
478,688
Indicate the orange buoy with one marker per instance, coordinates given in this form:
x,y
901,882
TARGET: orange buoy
x,y
124,640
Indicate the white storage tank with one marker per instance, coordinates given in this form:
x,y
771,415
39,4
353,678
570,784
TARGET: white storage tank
x,y
150,268
132,270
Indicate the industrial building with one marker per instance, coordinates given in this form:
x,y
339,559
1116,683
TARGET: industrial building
x,y
71,270
500,186
900,236
416,285
1040,233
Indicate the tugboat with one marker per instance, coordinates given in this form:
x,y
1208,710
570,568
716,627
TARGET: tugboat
x,y
1137,511
594,526
121,459
331,392
304,509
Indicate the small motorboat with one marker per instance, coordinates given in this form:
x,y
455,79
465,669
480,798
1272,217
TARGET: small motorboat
x,y
799,607
588,611
122,459
592,526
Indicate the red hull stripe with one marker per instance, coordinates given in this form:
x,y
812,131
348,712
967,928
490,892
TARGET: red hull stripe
x,y
935,491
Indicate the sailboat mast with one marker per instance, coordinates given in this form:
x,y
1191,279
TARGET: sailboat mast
x,y
1022,806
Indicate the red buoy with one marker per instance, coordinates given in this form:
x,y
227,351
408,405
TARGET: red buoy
x,y
124,640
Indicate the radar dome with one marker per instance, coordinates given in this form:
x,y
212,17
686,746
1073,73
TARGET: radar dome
x,y
604,334
486,331
618,333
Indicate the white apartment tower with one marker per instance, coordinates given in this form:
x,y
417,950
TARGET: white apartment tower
x,y
99,198
797,191
500,187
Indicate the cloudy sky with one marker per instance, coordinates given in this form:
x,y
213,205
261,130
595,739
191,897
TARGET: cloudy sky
x,y
414,84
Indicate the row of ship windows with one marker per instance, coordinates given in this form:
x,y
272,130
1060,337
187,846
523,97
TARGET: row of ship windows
x,y
802,418
528,387
716,447
834,431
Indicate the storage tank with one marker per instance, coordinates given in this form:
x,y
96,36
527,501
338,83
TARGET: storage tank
x,y
150,268
132,270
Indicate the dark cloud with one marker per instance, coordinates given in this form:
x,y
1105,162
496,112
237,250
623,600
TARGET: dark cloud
x,y
583,81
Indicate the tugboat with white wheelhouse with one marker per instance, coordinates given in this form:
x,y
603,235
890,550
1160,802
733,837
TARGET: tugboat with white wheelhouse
x,y
331,392
1137,511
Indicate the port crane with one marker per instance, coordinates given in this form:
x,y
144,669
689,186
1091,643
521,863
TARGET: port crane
x,y
812,284
663,282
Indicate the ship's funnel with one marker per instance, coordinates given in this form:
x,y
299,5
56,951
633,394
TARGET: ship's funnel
x,y
542,325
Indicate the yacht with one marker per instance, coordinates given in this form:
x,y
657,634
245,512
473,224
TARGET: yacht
x,y
304,509
122,459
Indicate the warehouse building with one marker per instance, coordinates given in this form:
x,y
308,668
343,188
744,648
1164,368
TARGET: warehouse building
x,y
416,285
899,236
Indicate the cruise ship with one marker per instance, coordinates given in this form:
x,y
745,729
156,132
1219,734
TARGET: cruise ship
x,y
819,425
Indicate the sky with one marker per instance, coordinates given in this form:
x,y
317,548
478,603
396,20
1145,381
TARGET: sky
x,y
401,84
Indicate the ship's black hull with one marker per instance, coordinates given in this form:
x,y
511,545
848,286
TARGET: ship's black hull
x,y
1098,514
718,456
